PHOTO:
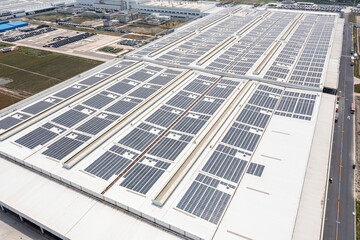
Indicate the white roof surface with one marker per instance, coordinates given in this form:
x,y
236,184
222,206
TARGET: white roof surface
x,y
236,201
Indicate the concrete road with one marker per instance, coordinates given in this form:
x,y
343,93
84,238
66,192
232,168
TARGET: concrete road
x,y
339,218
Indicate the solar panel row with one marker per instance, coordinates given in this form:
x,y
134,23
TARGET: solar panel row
x,y
239,141
196,47
169,147
242,55
281,67
40,106
101,111
309,68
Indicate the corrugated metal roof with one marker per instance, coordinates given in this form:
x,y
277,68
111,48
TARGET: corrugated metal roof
x,y
18,24
6,27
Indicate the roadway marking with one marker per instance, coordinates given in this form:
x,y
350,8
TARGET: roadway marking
x,y
341,149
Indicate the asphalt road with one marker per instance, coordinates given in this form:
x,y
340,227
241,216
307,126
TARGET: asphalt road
x,y
339,218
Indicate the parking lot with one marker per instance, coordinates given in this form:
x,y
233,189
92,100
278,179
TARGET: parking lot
x,y
79,46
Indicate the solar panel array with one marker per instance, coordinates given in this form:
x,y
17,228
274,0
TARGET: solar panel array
x,y
296,105
196,47
281,67
42,105
184,30
204,200
199,98
226,161
103,110
308,69
241,56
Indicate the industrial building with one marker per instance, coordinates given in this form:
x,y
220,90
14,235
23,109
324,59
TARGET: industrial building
x,y
219,130
177,9
6,25
18,8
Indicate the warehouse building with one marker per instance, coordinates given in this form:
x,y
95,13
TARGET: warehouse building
x,y
14,8
6,25
206,133
177,9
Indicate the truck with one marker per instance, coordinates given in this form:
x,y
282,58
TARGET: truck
x,y
352,110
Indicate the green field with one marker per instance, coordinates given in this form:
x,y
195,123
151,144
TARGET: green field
x,y
32,71
2,45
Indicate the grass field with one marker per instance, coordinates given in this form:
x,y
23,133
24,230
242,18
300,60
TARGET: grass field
x,y
357,88
136,37
143,29
32,71
6,100
51,17
2,45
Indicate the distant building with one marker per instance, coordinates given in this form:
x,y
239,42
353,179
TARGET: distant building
x,y
176,9
70,10
14,8
111,23
288,2
128,15
85,3
117,4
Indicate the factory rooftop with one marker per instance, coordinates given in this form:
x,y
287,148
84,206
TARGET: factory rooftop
x,y
177,4
220,130
28,6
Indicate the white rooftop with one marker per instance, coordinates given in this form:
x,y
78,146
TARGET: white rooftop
x,y
202,134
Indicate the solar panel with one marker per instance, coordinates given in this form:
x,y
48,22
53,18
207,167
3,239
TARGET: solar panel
x,y
39,136
94,125
240,136
170,146
164,116
70,91
98,101
145,91
70,118
254,116
94,79
141,178
255,169
139,139
123,105
204,201
123,86
12,120
207,105
225,166
296,105
191,123
41,106
142,75
107,165
182,100
65,145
